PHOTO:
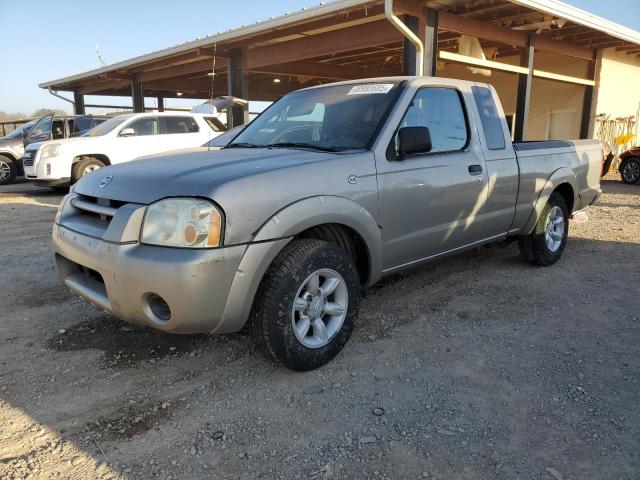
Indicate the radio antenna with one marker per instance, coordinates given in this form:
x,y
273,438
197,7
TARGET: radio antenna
x,y
104,64
213,69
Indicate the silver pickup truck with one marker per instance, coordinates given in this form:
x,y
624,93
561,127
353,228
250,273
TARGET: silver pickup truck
x,y
327,191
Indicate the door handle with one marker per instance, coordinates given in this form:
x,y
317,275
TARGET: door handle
x,y
475,169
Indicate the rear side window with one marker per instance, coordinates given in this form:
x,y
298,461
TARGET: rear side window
x,y
440,110
180,125
489,117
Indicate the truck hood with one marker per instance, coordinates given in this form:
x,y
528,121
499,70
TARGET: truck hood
x,y
10,143
197,173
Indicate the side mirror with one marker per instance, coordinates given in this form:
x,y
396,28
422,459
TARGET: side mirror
x,y
414,140
128,132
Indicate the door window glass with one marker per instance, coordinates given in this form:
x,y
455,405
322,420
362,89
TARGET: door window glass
x,y
144,126
441,111
43,127
81,124
180,125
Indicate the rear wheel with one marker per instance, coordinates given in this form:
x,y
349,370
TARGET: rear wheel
x,y
630,170
305,308
8,170
85,167
545,245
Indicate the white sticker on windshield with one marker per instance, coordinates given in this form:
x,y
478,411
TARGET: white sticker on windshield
x,y
371,88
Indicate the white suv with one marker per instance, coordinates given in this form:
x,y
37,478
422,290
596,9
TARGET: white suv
x,y
119,139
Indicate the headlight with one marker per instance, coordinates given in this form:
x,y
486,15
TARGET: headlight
x,y
51,150
182,222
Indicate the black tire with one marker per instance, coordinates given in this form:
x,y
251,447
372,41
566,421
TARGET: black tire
x,y
630,171
8,170
272,312
81,167
533,247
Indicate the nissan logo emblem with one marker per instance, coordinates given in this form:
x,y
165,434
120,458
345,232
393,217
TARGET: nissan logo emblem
x,y
105,181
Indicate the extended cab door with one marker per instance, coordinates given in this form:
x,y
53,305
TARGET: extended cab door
x,y
500,160
432,203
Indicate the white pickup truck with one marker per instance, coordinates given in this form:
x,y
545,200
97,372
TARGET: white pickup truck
x,y
120,139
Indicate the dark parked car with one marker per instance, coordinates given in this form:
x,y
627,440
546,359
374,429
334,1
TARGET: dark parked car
x,y
48,127
630,166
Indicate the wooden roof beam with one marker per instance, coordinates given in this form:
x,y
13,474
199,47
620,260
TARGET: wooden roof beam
x,y
516,38
360,36
201,66
322,70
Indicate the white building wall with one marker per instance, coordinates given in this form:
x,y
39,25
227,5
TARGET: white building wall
x,y
618,84
556,107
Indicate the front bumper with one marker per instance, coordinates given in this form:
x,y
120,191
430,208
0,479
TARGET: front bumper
x,y
121,278
206,290
52,171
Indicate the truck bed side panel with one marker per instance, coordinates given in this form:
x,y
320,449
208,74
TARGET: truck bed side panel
x,y
577,163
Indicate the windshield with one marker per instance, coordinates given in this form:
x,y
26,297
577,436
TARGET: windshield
x,y
335,118
105,127
224,138
17,133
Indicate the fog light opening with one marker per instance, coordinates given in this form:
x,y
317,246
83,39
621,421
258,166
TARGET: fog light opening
x,y
159,308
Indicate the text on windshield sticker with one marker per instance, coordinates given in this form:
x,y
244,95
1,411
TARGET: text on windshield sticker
x,y
372,88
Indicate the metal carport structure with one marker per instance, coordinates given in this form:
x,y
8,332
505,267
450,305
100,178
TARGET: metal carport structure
x,y
349,39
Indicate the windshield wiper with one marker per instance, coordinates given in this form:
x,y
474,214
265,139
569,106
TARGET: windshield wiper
x,y
305,145
244,145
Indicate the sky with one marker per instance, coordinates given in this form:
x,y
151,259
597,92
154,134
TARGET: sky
x,y
44,40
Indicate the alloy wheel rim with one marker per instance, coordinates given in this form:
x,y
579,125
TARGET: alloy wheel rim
x,y
631,172
554,232
319,308
5,171
89,169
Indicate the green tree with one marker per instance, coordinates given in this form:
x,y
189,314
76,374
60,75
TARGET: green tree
x,y
47,111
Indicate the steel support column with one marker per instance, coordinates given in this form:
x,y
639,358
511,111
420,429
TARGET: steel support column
x,y
586,125
78,102
238,86
137,96
161,104
524,92
431,42
409,67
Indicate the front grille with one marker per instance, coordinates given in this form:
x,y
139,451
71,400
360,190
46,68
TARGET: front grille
x,y
29,158
102,209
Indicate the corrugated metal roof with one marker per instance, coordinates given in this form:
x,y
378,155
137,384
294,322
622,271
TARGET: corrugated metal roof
x,y
209,40
552,7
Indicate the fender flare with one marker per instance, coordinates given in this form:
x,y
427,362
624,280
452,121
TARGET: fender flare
x,y
312,211
10,155
277,232
561,176
80,156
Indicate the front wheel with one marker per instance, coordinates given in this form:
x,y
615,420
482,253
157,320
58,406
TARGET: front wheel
x,y
8,170
306,305
85,167
630,170
545,245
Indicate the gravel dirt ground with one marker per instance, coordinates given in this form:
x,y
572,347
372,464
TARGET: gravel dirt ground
x,y
475,367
